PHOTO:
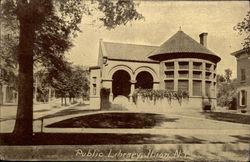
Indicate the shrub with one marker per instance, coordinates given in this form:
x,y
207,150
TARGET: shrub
x,y
159,94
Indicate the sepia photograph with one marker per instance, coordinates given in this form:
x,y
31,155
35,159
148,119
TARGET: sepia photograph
x,y
124,80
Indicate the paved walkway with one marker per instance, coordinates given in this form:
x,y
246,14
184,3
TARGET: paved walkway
x,y
8,114
185,125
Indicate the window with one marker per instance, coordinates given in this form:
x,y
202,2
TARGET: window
x,y
94,89
208,89
169,85
169,74
183,85
169,65
183,65
208,67
197,65
243,74
94,79
183,74
243,98
197,75
197,88
208,75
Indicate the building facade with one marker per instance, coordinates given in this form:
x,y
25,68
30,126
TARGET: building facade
x,y
243,78
180,63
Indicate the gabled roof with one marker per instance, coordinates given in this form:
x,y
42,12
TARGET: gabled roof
x,y
241,51
181,43
131,52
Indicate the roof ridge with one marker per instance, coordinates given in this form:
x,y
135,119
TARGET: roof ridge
x,y
130,44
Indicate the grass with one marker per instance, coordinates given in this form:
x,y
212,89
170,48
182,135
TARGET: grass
x,y
114,120
228,117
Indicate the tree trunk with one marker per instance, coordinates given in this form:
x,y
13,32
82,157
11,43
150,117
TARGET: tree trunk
x,y
35,93
24,120
61,100
49,97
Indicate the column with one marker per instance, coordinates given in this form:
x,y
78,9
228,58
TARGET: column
x,y
49,97
203,89
190,78
176,75
156,85
108,84
111,95
4,90
132,89
162,75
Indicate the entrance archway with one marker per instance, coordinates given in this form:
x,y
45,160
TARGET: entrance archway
x,y
144,80
121,83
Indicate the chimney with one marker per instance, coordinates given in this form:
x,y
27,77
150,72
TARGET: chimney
x,y
203,39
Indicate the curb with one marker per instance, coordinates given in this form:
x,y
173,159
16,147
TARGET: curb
x,y
237,124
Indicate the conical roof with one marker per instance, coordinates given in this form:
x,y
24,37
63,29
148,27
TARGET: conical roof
x,y
182,43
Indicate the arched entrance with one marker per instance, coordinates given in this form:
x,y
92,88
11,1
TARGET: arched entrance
x,y
144,80
121,83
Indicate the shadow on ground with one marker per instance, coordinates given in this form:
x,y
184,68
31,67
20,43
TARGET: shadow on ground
x,y
96,139
228,117
242,139
114,120
72,111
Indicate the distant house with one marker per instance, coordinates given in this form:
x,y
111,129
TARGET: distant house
x,y
180,63
243,78
8,93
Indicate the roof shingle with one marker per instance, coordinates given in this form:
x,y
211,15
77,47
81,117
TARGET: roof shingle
x,y
128,51
181,43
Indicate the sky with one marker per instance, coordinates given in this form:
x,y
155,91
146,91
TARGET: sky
x,y
162,20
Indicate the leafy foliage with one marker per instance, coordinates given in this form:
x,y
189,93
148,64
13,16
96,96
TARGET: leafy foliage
x,y
226,89
118,12
228,75
46,29
73,83
160,94
244,28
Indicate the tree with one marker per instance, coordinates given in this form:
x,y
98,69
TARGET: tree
x,y
228,75
244,28
220,78
226,88
46,29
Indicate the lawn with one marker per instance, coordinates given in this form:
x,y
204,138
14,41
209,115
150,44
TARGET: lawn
x,y
228,117
114,120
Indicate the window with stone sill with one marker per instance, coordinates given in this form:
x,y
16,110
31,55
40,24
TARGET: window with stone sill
x,y
243,74
94,89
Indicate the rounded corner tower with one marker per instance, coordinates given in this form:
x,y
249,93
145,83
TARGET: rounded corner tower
x,y
187,65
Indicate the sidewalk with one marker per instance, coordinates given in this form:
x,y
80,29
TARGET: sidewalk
x,y
8,114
